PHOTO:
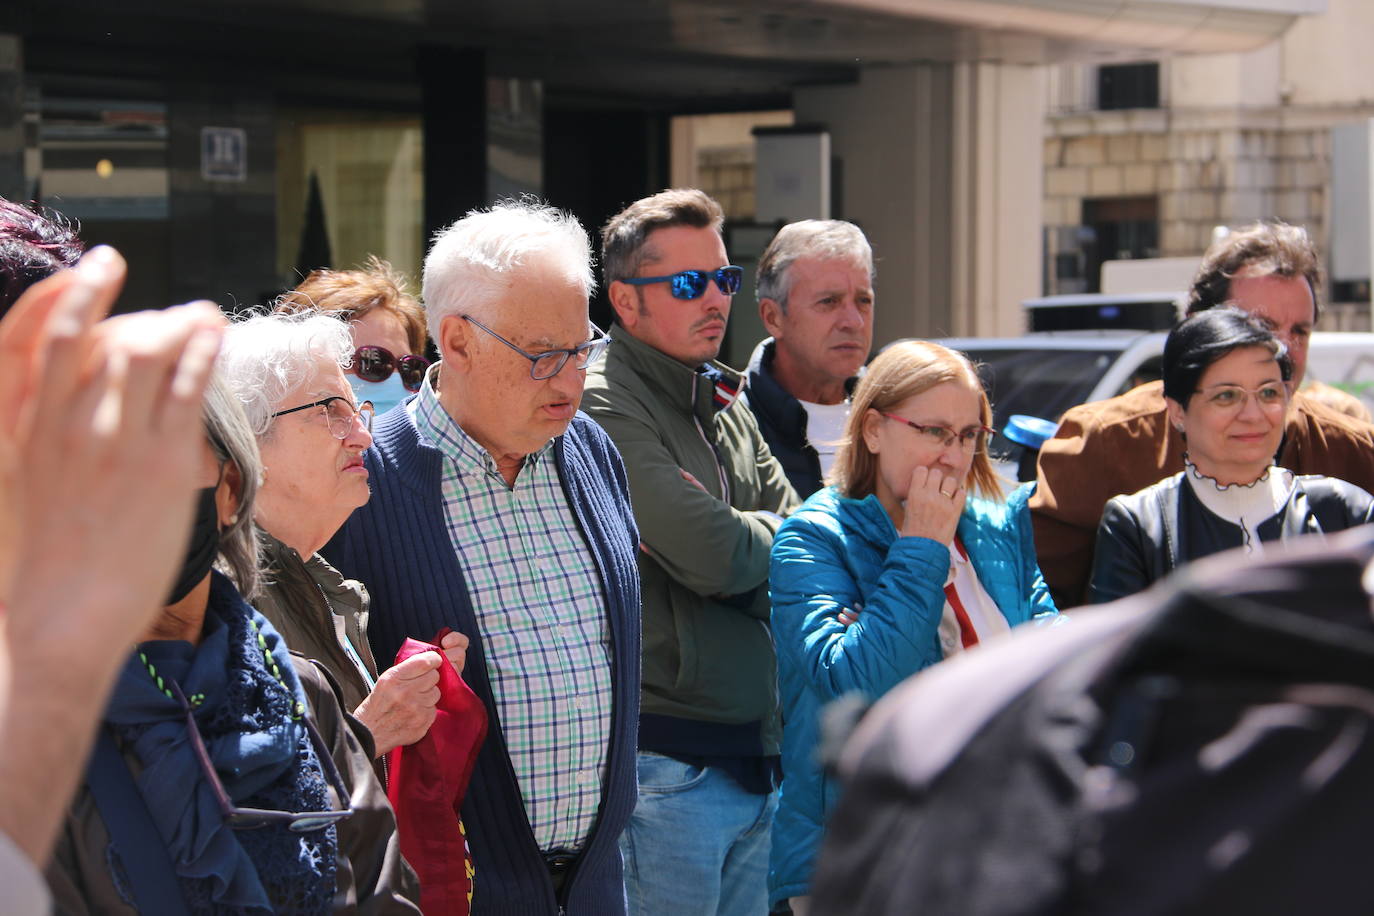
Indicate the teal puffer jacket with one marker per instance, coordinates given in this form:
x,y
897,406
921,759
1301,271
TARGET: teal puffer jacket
x,y
836,553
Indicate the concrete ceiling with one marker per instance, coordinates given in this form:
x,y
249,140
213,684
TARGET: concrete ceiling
x,y
833,31
706,54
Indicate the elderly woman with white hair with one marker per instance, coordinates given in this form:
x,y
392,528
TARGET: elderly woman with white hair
x,y
287,372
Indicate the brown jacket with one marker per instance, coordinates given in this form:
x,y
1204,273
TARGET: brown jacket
x,y
309,602
372,878
1124,444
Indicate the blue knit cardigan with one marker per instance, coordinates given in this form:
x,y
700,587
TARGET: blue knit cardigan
x,y
398,546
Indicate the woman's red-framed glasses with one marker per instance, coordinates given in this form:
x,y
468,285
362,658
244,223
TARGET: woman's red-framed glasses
x,y
970,438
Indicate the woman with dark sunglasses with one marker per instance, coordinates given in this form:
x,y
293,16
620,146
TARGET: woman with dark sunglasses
x,y
226,777
387,324
1226,379
890,569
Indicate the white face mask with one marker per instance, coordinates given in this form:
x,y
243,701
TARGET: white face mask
x,y
384,395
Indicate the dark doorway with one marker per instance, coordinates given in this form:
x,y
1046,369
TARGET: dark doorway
x,y
598,161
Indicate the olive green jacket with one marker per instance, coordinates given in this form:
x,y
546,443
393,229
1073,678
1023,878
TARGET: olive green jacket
x,y
703,563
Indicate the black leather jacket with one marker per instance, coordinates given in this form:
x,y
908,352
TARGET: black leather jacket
x,y
782,420
1145,536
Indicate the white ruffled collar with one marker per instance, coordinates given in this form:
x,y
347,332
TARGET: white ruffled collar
x,y
1247,505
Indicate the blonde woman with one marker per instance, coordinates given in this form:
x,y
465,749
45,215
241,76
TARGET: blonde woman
x,y
892,568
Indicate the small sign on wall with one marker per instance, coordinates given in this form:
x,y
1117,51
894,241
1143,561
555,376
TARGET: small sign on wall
x,y
791,174
223,153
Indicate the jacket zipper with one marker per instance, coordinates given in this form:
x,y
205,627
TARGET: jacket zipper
x,y
720,464
329,612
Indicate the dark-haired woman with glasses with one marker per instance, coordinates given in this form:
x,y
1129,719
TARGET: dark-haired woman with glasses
x,y
226,778
1226,384
890,569
387,324
287,372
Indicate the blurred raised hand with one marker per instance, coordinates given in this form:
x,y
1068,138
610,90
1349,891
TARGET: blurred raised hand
x,y
100,438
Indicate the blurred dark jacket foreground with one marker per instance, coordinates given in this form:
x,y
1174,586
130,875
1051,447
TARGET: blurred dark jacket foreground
x,y
1203,747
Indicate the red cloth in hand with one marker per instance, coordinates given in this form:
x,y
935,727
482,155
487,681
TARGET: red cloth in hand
x,y
426,784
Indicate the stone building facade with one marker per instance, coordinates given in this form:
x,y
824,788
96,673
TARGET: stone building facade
x,y
1234,138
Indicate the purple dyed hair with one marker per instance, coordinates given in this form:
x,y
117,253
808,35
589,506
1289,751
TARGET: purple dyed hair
x,y
35,243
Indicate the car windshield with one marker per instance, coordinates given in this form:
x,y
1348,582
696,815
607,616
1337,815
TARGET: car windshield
x,y
1037,381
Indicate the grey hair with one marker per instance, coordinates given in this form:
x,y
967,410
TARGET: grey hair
x,y
469,263
266,356
226,426
829,239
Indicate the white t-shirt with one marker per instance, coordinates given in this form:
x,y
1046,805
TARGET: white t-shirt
x,y
825,429
984,619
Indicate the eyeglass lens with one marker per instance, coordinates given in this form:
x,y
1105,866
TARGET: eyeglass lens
x,y
550,364
342,416
690,284
375,364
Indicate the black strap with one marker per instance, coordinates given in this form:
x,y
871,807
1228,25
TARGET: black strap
x,y
153,882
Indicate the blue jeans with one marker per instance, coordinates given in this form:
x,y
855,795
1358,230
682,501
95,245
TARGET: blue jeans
x,y
697,843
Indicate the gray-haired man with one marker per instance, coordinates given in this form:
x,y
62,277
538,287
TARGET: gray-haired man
x,y
815,289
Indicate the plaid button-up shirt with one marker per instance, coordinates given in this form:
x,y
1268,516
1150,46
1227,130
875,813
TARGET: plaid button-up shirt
x,y
534,587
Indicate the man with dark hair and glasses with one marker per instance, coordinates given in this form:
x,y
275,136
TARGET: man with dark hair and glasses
x,y
708,498
500,511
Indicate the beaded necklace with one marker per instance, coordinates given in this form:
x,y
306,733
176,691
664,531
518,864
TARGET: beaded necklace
x,y
195,699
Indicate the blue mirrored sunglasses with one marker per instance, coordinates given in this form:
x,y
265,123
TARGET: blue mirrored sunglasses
x,y
690,284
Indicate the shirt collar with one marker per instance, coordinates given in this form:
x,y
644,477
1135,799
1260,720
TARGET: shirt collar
x,y
441,431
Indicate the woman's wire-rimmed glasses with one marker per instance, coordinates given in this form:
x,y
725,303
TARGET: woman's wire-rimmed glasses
x,y
341,413
1234,398
551,362
251,818
970,438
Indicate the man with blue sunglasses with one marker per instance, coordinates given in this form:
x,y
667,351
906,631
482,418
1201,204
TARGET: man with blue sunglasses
x,y
707,497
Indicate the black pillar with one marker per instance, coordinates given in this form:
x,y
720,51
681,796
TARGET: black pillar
x,y
597,162
13,185
454,112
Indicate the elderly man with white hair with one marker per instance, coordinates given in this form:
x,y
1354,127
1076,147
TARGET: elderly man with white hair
x,y
502,512
287,372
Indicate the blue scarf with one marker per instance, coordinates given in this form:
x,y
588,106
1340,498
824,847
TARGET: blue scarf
x,y
262,755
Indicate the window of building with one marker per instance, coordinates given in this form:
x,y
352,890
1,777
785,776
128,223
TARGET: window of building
x,y
1118,228
102,162
716,153
1128,86
349,184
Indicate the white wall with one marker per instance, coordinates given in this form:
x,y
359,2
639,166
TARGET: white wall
x,y
1249,80
1327,59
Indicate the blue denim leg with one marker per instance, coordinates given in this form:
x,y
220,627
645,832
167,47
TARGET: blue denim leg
x,y
697,843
